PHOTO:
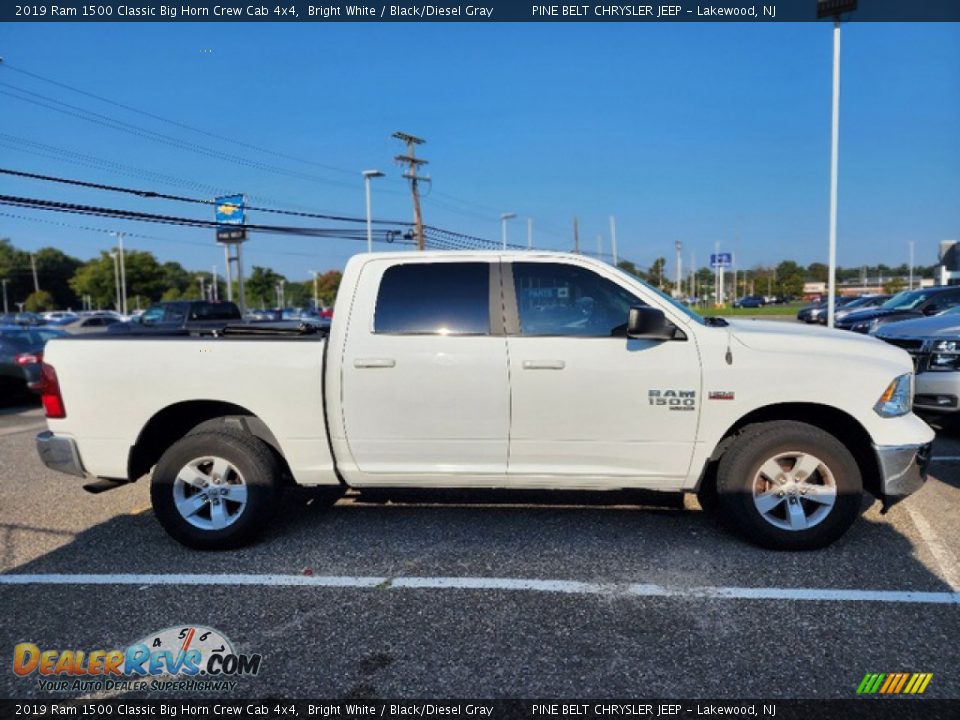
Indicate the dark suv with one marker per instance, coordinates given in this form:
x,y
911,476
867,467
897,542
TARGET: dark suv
x,y
180,317
906,305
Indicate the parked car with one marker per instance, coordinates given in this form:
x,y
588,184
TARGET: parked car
x,y
59,317
864,302
21,318
750,301
21,354
906,305
89,324
179,317
575,375
811,313
934,345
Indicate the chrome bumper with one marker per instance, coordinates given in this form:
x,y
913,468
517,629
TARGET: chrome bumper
x,y
60,453
903,470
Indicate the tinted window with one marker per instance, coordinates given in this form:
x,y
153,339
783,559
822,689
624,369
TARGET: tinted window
x,y
434,299
555,299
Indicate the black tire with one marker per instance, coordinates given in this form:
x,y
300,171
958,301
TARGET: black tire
x,y
251,459
738,472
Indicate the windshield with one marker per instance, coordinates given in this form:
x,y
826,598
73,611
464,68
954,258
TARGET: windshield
x,y
674,302
906,300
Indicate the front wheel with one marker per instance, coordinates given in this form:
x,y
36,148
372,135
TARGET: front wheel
x,y
215,490
789,486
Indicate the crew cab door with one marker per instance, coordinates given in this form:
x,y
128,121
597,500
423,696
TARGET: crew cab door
x,y
587,402
425,390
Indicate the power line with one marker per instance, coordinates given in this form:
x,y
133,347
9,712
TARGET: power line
x,y
180,198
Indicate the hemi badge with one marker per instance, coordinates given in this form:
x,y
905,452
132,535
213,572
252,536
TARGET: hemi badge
x,y
720,395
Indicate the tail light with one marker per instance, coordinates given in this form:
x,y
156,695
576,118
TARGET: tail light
x,y
29,358
50,392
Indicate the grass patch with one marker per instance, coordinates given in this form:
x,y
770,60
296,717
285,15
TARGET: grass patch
x,y
765,310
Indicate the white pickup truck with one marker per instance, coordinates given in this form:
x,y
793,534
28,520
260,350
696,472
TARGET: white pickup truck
x,y
494,370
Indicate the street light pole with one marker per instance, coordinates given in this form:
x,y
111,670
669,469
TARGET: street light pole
x,y
834,157
367,176
116,279
529,233
503,227
5,308
911,264
123,272
679,246
613,240
316,292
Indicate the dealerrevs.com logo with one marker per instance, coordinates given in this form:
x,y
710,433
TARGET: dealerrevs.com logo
x,y
177,658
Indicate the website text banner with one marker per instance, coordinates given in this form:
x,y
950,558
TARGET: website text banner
x,y
187,707
483,11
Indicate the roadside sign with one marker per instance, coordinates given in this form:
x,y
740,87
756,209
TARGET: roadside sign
x,y
721,260
230,212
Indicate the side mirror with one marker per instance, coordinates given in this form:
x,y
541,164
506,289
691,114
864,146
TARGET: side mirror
x,y
647,323
931,310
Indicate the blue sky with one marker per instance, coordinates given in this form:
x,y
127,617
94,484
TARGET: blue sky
x,y
693,132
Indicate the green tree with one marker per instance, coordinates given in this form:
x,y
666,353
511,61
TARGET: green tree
x,y
261,287
818,272
656,274
790,278
97,278
15,269
41,301
894,285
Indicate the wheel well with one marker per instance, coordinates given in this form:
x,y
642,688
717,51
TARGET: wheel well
x,y
842,426
182,419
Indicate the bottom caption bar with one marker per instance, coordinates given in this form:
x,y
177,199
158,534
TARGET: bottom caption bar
x,y
927,709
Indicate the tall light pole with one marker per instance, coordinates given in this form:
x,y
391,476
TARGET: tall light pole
x,y
123,272
827,8
679,246
203,288
316,290
503,227
529,233
214,289
33,265
368,175
613,240
116,278
5,308
911,264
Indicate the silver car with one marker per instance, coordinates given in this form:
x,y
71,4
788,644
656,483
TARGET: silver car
x,y
934,345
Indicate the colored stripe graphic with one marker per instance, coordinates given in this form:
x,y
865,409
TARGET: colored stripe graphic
x,y
894,683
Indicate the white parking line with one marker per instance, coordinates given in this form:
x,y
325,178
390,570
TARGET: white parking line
x,y
571,587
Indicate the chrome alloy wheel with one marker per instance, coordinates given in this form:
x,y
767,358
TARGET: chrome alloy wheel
x,y
794,490
210,493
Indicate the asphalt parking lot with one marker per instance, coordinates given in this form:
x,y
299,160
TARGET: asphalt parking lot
x,y
480,599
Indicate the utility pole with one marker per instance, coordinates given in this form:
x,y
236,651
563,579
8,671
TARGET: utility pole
x,y
679,288
413,163
6,309
576,236
33,264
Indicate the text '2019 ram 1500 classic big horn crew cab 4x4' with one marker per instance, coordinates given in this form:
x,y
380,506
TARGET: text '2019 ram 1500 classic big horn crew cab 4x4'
x,y
494,370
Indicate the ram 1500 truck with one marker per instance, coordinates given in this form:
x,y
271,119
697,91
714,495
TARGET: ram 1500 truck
x,y
505,370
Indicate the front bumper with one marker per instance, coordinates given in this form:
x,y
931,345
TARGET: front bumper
x,y
59,453
937,392
903,470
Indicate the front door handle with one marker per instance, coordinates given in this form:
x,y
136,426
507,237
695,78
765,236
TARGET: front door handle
x,y
544,364
374,363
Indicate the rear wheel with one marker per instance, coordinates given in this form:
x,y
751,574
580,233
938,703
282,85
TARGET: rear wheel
x,y
215,490
789,486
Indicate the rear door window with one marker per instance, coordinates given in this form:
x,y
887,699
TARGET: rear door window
x,y
434,299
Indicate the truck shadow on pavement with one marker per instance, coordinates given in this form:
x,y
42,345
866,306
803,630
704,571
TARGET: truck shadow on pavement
x,y
473,535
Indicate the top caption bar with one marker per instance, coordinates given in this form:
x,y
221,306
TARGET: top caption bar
x,y
482,11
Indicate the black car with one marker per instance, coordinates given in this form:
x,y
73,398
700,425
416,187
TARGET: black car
x,y
180,317
812,313
21,352
864,302
906,305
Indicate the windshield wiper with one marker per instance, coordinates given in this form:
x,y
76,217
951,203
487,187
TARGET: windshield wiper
x,y
714,321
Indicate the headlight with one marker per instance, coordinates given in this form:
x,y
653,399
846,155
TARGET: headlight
x,y
897,399
944,356
864,326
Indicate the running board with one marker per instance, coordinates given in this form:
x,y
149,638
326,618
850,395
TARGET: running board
x,y
103,484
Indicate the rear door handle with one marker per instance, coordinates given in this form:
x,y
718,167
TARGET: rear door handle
x,y
374,363
544,364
